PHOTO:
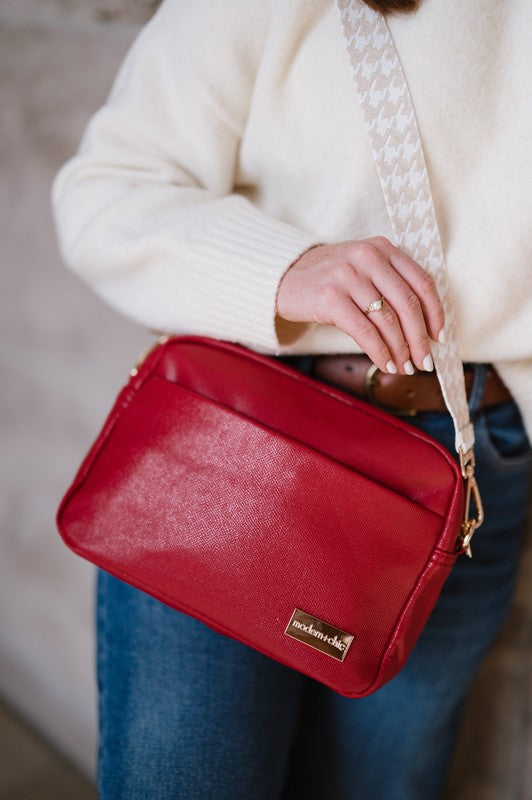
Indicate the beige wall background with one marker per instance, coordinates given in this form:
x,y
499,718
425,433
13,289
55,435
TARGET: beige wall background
x,y
64,356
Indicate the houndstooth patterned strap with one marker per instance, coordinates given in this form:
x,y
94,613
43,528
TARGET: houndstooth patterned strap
x,y
394,137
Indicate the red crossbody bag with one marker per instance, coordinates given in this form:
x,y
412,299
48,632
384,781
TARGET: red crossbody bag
x,y
275,509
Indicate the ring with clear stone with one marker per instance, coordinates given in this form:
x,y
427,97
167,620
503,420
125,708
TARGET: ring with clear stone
x,y
375,306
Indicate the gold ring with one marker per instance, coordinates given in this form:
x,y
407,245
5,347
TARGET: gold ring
x,y
375,306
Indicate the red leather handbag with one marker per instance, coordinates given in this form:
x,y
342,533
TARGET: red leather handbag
x,y
278,510
320,538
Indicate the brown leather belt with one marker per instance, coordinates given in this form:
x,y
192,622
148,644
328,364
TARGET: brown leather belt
x,y
400,394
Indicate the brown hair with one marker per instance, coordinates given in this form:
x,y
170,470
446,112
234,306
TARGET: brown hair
x,y
393,6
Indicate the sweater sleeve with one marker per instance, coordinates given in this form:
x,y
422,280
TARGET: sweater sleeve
x,y
148,213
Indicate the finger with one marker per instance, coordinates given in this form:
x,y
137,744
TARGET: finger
x,y
350,319
401,321
423,286
387,323
407,306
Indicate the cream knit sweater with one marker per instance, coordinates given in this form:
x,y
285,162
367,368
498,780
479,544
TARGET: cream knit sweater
x,y
232,141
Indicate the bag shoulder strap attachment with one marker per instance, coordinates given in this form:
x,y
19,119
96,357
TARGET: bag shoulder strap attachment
x,y
397,150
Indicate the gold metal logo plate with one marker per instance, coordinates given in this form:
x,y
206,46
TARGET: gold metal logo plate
x,y
319,634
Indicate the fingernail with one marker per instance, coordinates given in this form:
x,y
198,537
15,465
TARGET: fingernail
x,y
441,336
408,367
428,364
390,366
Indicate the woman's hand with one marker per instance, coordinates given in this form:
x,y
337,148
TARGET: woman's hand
x,y
333,284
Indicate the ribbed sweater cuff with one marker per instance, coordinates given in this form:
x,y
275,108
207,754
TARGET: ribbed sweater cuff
x,y
243,256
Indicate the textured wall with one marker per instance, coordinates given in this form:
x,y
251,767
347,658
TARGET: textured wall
x,y
63,357
84,12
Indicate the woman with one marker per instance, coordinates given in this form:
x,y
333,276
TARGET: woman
x,y
227,188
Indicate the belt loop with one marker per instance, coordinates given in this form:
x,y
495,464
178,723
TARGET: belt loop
x,y
477,388
305,364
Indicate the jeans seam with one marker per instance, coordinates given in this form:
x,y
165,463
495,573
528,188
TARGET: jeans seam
x,y
102,659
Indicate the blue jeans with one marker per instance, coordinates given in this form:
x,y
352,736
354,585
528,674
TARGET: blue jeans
x,y
187,713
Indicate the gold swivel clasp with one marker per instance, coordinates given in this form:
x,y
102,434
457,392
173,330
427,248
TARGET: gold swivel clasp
x,y
470,524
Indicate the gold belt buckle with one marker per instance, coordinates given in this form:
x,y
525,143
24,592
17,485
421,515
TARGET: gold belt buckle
x,y
370,382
